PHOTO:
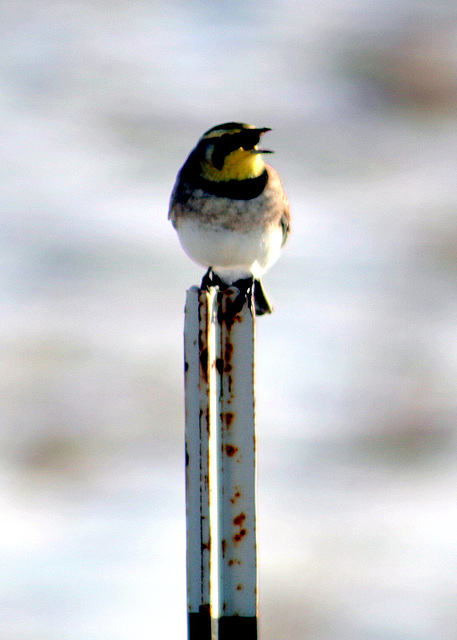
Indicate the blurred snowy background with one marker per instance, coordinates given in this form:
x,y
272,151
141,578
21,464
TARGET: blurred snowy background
x,y
100,103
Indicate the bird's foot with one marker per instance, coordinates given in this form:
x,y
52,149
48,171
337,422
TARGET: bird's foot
x,y
252,291
246,289
211,279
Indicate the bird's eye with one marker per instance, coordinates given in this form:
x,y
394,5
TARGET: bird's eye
x,y
218,155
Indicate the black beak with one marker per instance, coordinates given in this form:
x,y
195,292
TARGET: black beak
x,y
261,131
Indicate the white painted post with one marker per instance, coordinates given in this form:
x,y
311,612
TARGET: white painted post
x,y
220,467
237,475
201,392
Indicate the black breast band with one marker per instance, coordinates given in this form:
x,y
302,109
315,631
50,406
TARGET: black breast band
x,y
235,189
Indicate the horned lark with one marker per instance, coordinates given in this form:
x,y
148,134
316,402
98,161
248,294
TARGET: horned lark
x,y
230,210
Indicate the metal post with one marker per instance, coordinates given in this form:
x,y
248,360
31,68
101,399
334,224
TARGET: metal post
x,y
201,392
237,475
220,467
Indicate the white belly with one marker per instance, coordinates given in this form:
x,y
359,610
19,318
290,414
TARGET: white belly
x,y
231,254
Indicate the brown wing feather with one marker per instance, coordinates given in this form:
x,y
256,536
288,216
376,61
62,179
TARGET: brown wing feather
x,y
285,220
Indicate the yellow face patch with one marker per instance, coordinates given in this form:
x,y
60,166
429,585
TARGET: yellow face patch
x,y
238,165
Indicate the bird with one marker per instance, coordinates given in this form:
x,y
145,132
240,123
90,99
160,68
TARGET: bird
x,y
231,212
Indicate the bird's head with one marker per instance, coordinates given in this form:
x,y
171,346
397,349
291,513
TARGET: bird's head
x,y
229,152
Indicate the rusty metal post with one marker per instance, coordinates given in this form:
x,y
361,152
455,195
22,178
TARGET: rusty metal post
x,y
237,475
200,353
220,467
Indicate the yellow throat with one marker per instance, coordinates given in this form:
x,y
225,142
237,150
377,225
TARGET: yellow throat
x,y
238,165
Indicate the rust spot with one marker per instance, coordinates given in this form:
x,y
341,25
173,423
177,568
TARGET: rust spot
x,y
237,496
239,519
204,362
206,546
235,301
230,450
204,418
226,317
233,561
239,587
239,536
228,352
219,365
228,417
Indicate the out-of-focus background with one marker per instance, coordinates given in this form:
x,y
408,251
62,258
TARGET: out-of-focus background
x,y
357,369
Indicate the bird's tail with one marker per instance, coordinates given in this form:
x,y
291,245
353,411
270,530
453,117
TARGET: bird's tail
x,y
261,302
